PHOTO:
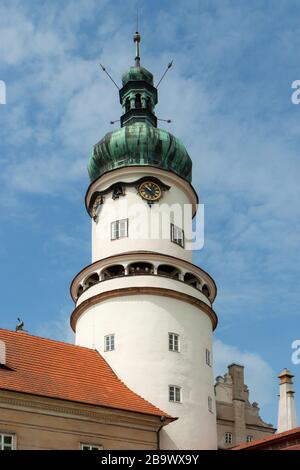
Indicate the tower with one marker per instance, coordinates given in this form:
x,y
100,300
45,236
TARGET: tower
x,y
286,408
142,303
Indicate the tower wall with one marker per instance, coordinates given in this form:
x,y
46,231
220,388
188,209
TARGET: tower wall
x,y
141,324
146,223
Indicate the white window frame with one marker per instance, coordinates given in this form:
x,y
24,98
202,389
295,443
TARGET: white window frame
x,y
109,342
210,404
174,342
249,438
177,235
208,357
119,229
13,441
176,392
90,446
228,438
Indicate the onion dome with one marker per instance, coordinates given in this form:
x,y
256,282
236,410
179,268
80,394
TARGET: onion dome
x,y
140,144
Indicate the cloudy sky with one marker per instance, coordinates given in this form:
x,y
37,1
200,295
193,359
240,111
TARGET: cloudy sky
x,y
229,97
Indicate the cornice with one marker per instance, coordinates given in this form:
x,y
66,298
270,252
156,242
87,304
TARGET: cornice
x,y
151,255
203,307
53,406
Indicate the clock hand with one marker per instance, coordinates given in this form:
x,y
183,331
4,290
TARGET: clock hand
x,y
150,190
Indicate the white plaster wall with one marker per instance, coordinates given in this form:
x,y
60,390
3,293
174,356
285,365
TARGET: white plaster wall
x,y
145,223
142,360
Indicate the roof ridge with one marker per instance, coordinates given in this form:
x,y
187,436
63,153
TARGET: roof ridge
x,y
65,343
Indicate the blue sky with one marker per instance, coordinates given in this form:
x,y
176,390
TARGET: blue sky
x,y
229,97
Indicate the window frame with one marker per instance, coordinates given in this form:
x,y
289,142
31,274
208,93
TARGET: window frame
x,y
176,389
210,404
111,342
228,438
92,446
115,229
174,227
208,357
172,338
13,441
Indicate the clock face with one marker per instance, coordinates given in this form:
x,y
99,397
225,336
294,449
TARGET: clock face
x,y
150,191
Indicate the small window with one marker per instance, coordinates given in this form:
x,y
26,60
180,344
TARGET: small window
x,y
228,438
175,393
208,357
119,229
177,235
6,442
210,404
109,343
249,439
173,342
90,447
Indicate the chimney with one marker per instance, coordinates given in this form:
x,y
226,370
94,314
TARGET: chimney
x,y
286,409
2,354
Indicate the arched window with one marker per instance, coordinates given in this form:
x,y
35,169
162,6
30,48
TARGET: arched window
x,y
138,101
191,280
205,290
169,271
148,104
113,271
127,105
141,268
79,291
91,280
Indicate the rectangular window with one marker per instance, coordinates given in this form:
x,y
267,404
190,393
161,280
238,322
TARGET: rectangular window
x,y
109,343
173,342
249,439
90,447
119,229
177,235
228,438
210,404
208,357
175,393
6,442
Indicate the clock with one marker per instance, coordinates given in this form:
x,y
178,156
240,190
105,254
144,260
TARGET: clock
x,y
150,191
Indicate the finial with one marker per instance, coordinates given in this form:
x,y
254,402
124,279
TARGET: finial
x,y
20,325
137,40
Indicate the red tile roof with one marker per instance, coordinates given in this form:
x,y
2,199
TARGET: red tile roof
x,y
59,370
282,441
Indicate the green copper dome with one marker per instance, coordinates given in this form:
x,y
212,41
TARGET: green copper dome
x,y
140,144
137,74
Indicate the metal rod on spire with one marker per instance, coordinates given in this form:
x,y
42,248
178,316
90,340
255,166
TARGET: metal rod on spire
x,y
168,67
137,40
165,120
105,71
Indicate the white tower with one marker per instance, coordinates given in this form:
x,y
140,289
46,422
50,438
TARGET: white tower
x,y
142,303
287,408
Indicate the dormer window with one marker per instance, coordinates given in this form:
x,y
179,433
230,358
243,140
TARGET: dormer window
x,y
138,101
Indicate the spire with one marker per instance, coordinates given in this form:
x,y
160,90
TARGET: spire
x,y
137,40
286,409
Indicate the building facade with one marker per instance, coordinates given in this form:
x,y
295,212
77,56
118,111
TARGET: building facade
x,y
238,420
